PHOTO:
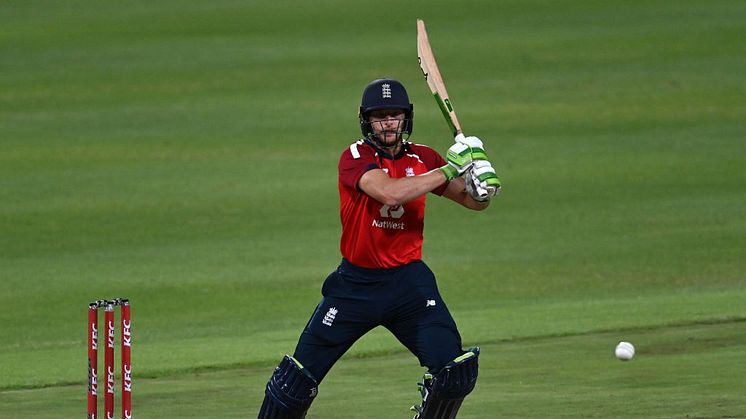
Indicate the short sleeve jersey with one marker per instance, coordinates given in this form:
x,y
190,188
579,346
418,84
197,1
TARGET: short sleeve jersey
x,y
375,235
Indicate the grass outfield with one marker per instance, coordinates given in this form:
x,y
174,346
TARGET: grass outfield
x,y
571,376
184,156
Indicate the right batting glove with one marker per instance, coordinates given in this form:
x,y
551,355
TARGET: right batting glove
x,y
482,182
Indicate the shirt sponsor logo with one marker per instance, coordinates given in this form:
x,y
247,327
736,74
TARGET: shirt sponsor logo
x,y
430,303
387,211
409,172
390,225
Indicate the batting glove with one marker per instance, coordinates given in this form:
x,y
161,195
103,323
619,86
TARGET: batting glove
x,y
477,148
482,182
459,158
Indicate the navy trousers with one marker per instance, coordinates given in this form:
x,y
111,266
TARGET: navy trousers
x,y
405,300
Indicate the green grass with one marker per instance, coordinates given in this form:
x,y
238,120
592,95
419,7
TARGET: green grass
x,y
570,376
184,156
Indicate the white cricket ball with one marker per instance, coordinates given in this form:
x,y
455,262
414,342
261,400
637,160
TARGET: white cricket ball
x,y
625,351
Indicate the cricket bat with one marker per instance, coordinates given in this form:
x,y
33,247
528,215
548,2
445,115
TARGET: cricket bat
x,y
434,80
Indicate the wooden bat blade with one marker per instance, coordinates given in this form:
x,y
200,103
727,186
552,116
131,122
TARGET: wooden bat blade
x,y
433,78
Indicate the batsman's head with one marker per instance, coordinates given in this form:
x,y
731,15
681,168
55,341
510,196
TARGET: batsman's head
x,y
386,115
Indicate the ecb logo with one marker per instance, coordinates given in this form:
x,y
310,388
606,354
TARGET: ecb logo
x,y
386,91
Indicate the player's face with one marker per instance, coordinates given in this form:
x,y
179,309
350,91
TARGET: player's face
x,y
387,125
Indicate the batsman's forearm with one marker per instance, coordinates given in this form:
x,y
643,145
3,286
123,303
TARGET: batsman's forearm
x,y
402,190
456,192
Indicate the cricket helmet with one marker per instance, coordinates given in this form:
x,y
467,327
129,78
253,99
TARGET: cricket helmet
x,y
385,94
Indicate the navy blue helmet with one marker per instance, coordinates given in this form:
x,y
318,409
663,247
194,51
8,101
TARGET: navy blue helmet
x,y
385,94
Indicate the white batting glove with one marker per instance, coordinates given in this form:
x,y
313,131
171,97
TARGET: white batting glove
x,y
482,182
474,188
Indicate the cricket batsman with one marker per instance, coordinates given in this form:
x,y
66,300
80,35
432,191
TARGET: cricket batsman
x,y
382,281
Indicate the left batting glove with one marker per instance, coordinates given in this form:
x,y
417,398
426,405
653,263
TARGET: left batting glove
x,y
482,182
459,158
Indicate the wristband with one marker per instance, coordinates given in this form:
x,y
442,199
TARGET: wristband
x,y
449,171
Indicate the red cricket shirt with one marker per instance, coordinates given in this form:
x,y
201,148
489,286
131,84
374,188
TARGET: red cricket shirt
x,y
375,235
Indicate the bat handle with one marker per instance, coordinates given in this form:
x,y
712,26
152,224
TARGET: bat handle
x,y
459,136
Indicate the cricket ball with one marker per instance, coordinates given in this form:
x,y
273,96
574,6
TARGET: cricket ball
x,y
625,351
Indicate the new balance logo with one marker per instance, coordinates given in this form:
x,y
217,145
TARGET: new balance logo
x,y
386,91
330,316
430,303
